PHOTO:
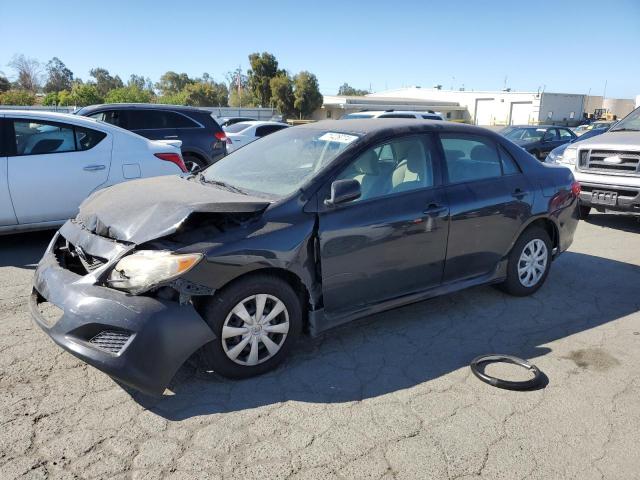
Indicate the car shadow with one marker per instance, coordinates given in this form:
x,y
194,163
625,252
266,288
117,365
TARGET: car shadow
x,y
24,250
419,343
619,221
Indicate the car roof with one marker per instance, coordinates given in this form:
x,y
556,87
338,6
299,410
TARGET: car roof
x,y
537,126
363,126
263,122
148,106
382,112
53,116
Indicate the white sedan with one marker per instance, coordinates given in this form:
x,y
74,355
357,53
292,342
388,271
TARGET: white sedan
x,y
241,133
50,162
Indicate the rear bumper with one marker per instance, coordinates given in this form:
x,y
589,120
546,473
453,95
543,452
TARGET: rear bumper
x,y
139,341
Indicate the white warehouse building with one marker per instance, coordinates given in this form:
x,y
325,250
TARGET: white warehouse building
x,y
502,107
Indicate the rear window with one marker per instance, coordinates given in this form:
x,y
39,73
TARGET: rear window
x,y
397,115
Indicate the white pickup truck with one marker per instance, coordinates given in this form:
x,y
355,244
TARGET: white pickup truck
x,y
608,168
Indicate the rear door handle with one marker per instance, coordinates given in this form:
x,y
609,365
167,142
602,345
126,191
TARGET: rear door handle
x,y
434,209
518,193
94,168
171,136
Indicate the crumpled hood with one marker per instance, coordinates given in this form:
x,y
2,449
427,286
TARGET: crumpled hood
x,y
143,210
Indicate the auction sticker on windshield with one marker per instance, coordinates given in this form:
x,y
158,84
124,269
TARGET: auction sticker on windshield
x,y
338,137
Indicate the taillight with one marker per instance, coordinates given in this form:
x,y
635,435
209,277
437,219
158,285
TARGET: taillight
x,y
576,188
220,136
173,158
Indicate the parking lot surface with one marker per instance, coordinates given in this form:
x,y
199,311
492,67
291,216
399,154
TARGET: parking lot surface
x,y
387,397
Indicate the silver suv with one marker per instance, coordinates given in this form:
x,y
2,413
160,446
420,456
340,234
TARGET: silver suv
x,y
608,167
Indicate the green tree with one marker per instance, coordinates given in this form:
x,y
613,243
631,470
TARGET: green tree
x,y
179,98
172,82
141,82
130,94
242,98
348,90
59,77
50,99
104,81
264,67
307,96
282,94
80,95
5,84
17,97
206,94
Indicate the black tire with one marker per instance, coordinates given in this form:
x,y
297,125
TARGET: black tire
x,y
584,210
216,310
193,163
512,285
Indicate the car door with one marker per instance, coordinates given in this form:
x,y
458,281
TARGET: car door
x,y
550,140
53,166
488,197
566,136
392,240
7,215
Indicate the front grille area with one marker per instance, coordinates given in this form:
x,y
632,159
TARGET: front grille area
x,y
74,259
622,192
112,341
610,161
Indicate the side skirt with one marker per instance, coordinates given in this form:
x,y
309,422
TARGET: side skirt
x,y
320,322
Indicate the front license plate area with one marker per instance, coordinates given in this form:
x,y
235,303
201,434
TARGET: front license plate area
x,y
601,197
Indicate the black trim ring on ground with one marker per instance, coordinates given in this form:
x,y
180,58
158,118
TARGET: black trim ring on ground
x,y
539,379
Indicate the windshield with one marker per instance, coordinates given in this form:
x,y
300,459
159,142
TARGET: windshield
x,y
279,164
529,134
236,127
630,122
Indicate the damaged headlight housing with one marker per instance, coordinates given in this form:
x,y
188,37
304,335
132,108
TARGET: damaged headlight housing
x,y
145,269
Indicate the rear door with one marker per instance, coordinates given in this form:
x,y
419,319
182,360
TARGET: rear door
x,y
489,198
53,166
7,215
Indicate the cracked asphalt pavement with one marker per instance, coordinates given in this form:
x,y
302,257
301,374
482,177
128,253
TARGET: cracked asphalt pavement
x,y
390,396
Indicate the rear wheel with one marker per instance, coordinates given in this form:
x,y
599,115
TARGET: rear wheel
x,y
529,263
194,164
256,321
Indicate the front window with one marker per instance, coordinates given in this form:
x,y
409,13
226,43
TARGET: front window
x,y
630,122
280,163
236,127
529,134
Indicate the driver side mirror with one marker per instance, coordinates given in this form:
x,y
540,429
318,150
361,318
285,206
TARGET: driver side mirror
x,y
343,191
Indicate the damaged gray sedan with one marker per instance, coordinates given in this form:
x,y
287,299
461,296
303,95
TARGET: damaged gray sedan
x,y
304,230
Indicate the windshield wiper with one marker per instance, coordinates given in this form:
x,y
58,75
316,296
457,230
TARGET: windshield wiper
x,y
218,183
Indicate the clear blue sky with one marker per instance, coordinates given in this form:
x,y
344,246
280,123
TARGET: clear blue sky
x,y
569,46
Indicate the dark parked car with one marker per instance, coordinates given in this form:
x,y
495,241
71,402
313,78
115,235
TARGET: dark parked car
x,y
556,155
306,229
539,140
203,140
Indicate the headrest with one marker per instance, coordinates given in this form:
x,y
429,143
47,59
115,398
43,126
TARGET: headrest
x,y
483,153
415,159
368,163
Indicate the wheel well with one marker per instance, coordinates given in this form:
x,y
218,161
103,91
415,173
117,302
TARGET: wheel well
x,y
291,278
194,154
549,227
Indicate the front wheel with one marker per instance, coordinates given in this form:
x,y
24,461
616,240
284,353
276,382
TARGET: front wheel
x,y
256,322
529,263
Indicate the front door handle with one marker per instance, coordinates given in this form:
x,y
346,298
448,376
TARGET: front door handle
x,y
434,209
171,136
94,168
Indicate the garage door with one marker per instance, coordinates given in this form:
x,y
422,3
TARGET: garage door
x,y
521,113
484,111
